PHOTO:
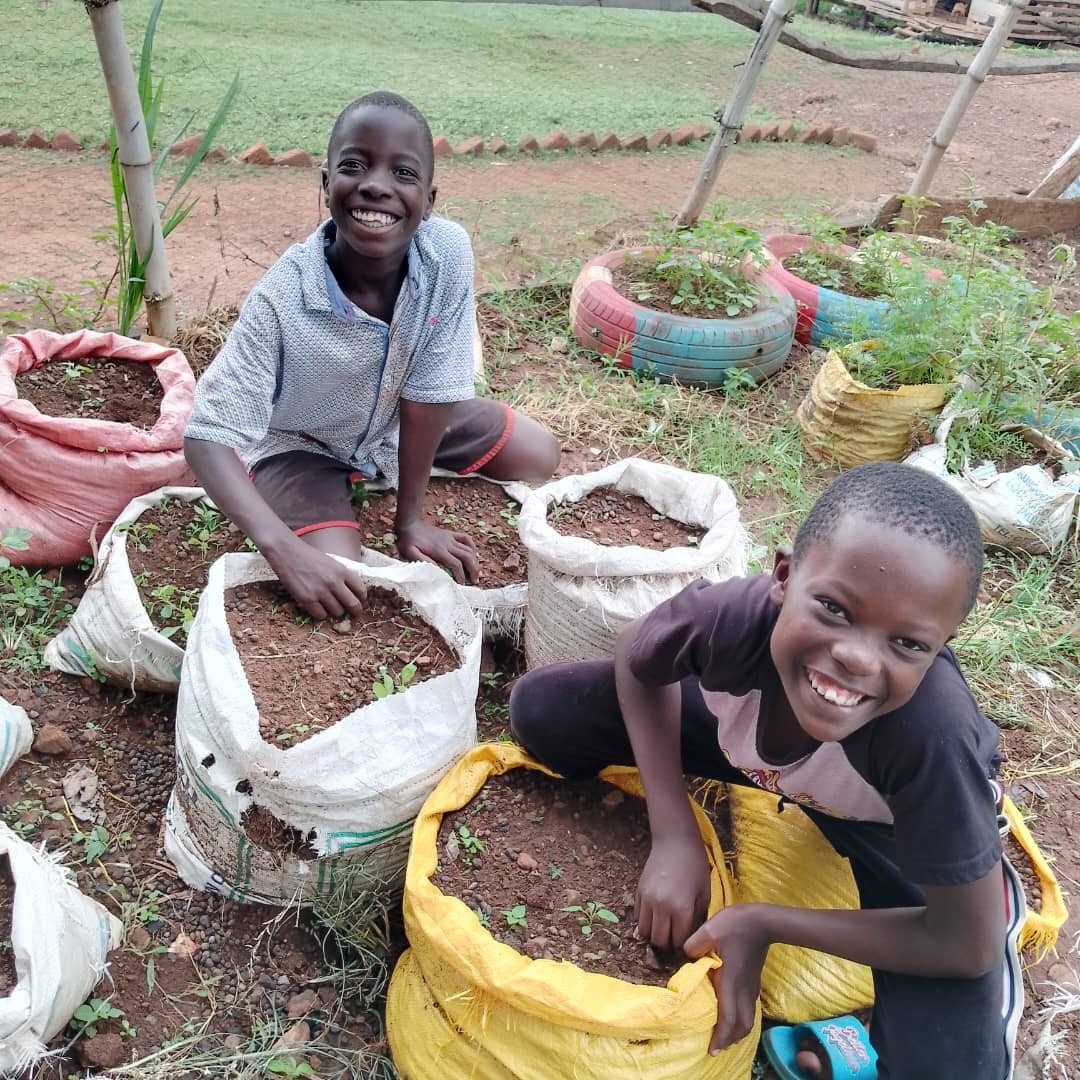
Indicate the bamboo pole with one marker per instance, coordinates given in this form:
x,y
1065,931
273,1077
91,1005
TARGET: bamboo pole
x,y
976,74
1066,169
133,148
732,119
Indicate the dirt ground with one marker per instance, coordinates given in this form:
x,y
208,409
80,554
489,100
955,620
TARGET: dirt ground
x,y
530,220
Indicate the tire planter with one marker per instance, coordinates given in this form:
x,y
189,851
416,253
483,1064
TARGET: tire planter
x,y
677,348
823,314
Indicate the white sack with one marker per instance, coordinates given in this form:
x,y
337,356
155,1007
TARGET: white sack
x,y
16,734
110,633
355,787
1024,509
581,594
60,939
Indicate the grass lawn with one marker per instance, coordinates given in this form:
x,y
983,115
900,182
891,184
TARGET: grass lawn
x,y
495,70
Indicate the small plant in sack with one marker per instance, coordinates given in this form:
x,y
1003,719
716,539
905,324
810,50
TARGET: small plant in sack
x,y
487,510
523,959
305,749
690,308
132,622
607,547
88,421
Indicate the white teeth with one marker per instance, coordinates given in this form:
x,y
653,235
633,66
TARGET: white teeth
x,y
835,695
372,219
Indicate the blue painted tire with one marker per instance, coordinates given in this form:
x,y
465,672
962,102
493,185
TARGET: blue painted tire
x,y
678,348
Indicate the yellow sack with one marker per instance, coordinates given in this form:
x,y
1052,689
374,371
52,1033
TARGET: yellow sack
x,y
1040,929
847,423
783,858
463,1006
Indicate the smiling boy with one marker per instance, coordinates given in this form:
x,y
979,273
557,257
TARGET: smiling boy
x,y
353,358
830,683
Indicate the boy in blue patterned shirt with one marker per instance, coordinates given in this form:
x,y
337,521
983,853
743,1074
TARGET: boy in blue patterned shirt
x,y
353,357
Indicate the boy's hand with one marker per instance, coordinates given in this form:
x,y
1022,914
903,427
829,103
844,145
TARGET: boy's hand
x,y
319,584
420,542
673,893
739,938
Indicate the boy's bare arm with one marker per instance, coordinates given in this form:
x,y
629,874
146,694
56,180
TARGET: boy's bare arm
x,y
959,934
422,426
673,893
318,583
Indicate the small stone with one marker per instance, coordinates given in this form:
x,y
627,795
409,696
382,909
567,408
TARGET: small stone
x,y
682,136
526,861
750,133
512,561
540,942
36,141
297,1035
584,140
66,140
785,131
841,136
808,134
864,141
608,141
301,1004
528,145
101,1052
54,803
473,146
637,141
53,740
234,1042
295,159
9,137
342,626
658,536
91,686
185,147
317,668
442,146
423,660
139,936
257,155
660,137
635,532
571,897
559,345
612,799
1062,975
557,140
498,146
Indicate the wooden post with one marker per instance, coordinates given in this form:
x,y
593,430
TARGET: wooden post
x,y
976,73
133,148
1066,169
732,119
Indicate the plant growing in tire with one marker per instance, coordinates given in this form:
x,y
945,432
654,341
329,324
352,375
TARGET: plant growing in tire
x,y
690,308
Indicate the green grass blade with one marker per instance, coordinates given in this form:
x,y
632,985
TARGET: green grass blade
x,y
211,135
177,216
146,58
167,149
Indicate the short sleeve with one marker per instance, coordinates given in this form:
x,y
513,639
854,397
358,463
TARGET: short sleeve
x,y
234,397
442,367
933,760
718,633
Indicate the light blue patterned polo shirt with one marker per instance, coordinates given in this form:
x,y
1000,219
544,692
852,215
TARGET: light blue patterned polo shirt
x,y
305,369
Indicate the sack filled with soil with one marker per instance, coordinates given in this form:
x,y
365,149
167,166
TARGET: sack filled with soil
x,y
305,750
464,1004
58,943
64,474
583,589
16,734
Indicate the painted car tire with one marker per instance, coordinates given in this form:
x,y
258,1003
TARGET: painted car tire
x,y
691,351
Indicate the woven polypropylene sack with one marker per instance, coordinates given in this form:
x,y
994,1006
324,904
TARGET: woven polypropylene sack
x,y
783,858
63,477
463,1006
16,734
352,789
111,634
60,940
1040,929
581,594
846,423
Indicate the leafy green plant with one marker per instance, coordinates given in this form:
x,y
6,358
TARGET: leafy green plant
x,y
516,917
45,303
483,918
33,606
471,844
85,1019
554,872
74,372
289,1067
141,533
94,843
173,609
386,684
510,514
130,269
591,913
204,527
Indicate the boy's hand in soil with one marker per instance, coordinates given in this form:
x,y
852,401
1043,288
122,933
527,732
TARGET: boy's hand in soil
x,y
418,541
673,893
737,936
318,583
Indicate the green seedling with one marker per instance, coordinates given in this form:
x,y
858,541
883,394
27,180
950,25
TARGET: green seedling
x,y
173,608
94,844
554,872
386,684
140,533
204,527
73,372
591,913
515,917
483,919
289,1067
510,515
87,1016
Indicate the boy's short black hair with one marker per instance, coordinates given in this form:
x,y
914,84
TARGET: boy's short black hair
x,y
901,497
386,99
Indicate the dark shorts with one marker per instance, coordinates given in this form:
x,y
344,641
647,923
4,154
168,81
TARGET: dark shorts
x,y
310,491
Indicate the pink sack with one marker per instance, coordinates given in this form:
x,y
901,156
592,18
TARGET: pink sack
x,y
60,476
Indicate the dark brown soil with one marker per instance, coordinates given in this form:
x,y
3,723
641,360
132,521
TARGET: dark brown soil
x,y
1025,871
482,510
306,676
544,846
8,975
636,280
119,390
612,518
170,549
271,833
849,284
